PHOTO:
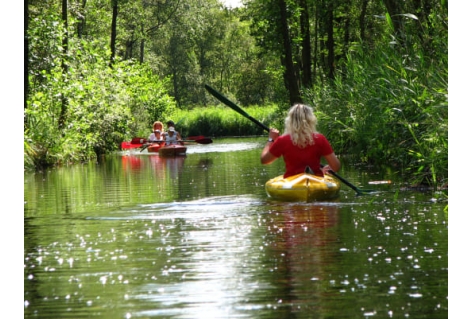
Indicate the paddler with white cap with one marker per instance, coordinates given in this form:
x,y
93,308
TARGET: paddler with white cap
x,y
172,137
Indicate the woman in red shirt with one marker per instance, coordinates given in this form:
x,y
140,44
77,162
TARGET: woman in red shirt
x,y
301,145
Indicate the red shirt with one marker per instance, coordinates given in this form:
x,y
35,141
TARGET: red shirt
x,y
296,158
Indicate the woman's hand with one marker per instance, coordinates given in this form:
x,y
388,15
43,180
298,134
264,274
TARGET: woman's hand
x,y
326,169
266,157
274,133
333,164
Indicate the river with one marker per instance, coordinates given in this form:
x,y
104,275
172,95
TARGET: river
x,y
139,236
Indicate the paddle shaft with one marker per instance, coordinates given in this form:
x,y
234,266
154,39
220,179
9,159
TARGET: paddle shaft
x,y
233,106
137,142
204,140
358,191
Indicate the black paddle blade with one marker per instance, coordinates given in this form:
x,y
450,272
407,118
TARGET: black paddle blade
x,y
356,189
204,141
366,191
195,137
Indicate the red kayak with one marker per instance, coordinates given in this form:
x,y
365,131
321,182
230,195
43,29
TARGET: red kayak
x,y
172,150
155,147
136,142
139,142
167,150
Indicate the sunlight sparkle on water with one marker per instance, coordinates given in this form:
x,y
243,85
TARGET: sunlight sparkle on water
x,y
215,246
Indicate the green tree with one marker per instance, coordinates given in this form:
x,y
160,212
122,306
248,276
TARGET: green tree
x,y
365,65
113,31
102,103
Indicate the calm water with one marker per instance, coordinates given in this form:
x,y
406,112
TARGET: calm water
x,y
139,236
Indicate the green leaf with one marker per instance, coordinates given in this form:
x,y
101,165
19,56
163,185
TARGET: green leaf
x,y
389,21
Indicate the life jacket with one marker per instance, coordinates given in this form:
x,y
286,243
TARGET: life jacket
x,y
171,140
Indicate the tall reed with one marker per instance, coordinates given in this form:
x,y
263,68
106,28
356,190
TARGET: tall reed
x,y
389,105
223,121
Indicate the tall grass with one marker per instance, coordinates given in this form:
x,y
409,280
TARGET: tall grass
x,y
389,105
223,121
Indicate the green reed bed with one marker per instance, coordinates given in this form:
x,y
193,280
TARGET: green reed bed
x,y
390,106
222,121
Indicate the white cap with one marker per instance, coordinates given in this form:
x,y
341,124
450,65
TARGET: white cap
x,y
171,129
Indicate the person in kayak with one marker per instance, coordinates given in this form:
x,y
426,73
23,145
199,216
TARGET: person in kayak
x,y
172,137
157,132
301,145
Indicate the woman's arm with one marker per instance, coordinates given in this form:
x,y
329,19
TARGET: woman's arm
x,y
333,163
266,157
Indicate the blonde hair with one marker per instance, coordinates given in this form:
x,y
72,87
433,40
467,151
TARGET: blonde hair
x,y
158,123
301,124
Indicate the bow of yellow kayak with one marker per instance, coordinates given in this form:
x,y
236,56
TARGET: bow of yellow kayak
x,y
303,187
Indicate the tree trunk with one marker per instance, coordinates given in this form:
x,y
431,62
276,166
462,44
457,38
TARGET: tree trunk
x,y
66,36
142,50
363,12
129,49
315,48
347,31
322,46
26,54
330,42
62,115
306,51
142,47
290,76
82,20
113,35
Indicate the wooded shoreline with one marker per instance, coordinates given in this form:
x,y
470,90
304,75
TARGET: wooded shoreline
x,y
376,73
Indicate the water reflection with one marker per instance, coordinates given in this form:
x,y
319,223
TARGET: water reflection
x,y
139,236
304,246
160,165
167,165
131,162
213,268
203,249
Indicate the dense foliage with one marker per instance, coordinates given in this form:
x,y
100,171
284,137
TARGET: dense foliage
x,y
219,121
101,71
390,104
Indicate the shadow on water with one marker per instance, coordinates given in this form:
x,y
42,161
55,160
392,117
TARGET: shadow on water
x,y
139,236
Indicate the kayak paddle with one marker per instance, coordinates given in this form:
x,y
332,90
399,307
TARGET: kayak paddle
x,y
203,140
134,143
195,137
144,146
233,106
358,190
128,145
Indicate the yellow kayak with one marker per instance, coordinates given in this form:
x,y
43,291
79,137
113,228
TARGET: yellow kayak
x,y
303,187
